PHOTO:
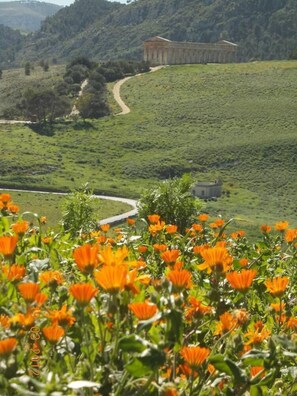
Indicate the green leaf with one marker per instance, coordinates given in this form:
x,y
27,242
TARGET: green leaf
x,y
227,366
138,369
255,391
132,343
146,323
254,357
153,357
5,224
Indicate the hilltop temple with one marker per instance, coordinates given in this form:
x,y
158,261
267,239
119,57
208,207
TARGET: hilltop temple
x,y
161,51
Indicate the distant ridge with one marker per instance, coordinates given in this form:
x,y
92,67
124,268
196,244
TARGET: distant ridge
x,y
26,15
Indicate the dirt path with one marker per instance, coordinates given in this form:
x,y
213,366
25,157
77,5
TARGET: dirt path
x,y
116,91
109,220
74,110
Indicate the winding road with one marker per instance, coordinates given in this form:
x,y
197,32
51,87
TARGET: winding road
x,y
109,220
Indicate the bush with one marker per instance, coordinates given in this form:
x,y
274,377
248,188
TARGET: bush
x,y
173,201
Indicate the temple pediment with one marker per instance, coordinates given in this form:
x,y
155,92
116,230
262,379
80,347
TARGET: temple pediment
x,y
158,39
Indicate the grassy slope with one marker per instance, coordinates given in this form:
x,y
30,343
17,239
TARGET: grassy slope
x,y
14,81
234,121
50,205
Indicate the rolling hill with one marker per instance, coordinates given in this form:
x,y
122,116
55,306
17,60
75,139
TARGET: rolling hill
x,y
25,16
264,29
238,124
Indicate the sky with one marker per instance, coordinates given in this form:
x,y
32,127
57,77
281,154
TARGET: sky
x,y
64,2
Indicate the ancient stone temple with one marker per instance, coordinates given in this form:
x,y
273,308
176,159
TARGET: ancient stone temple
x,y
161,51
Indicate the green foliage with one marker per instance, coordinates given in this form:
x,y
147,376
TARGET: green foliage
x,y
104,30
43,106
79,211
171,200
91,105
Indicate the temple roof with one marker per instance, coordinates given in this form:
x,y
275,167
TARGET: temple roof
x,y
158,38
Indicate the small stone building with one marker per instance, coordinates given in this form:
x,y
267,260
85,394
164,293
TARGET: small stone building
x,y
161,51
206,190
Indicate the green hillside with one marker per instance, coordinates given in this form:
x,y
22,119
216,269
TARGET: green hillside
x,y
25,16
236,122
264,29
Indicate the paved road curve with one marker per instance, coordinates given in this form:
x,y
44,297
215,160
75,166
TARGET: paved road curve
x,y
110,220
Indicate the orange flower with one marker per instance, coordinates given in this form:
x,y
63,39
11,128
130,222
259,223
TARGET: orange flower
x,y
170,256
155,228
142,248
4,321
47,240
7,346
227,323
219,222
180,279
171,229
105,227
196,309
265,228
40,298
14,272
256,370
8,245
281,226
291,235
86,258
20,227
257,335
197,227
238,234
130,221
241,281
29,291
143,310
216,259
108,256
292,323
160,247
112,278
203,217
13,208
26,321
43,219
83,292
53,333
61,317
277,286
198,249
243,262
51,278
279,306
154,218
5,198
241,316
194,356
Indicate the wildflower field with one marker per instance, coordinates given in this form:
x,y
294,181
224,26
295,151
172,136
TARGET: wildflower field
x,y
146,310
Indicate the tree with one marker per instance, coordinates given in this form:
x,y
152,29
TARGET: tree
x,y
79,211
92,105
27,69
44,105
173,201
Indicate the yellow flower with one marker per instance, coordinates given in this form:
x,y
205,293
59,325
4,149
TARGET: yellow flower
x,y
112,278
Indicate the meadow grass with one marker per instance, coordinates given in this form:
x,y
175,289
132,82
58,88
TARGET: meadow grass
x,y
236,122
51,206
